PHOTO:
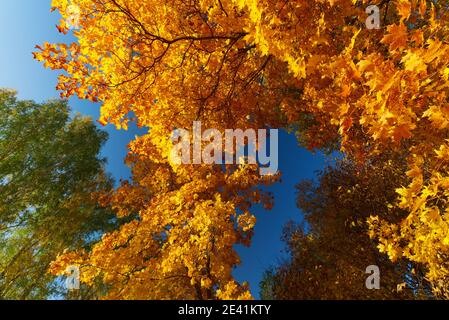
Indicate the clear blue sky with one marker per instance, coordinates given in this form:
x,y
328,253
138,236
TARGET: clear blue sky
x,y
25,23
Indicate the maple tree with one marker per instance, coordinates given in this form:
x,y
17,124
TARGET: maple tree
x,y
254,64
331,249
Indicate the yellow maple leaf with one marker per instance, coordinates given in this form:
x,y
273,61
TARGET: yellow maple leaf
x,y
396,37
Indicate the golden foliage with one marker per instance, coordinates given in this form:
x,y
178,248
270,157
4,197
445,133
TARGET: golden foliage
x,y
251,64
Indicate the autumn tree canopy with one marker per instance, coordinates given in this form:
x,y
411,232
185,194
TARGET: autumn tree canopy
x,y
255,64
331,250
